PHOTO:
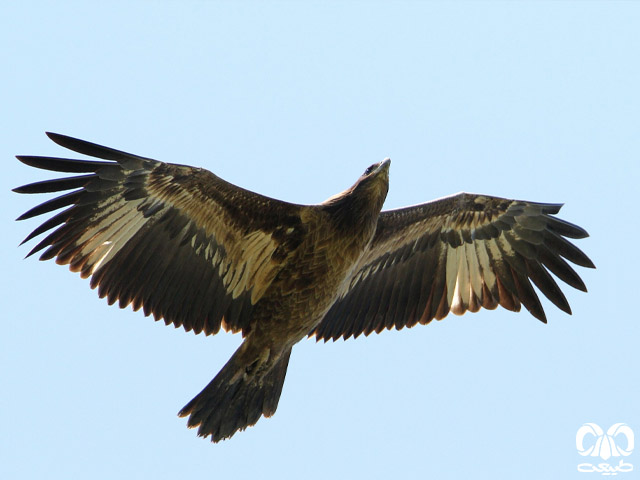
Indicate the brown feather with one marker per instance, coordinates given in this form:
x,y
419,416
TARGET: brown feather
x,y
491,247
200,253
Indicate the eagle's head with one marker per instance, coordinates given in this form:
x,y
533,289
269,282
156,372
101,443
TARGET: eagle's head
x,y
363,201
374,184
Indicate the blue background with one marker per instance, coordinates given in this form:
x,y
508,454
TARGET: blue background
x,y
537,101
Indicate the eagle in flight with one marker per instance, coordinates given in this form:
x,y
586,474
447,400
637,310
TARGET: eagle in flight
x,y
198,252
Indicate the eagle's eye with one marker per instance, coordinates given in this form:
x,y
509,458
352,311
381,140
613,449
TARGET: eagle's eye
x,y
370,169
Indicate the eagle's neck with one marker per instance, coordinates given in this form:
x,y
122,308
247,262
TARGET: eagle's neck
x,y
354,215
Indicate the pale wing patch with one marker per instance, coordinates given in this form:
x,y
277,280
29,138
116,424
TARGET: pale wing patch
x,y
474,270
110,232
464,280
253,268
244,262
451,273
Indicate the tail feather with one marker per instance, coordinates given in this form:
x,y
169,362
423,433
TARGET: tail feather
x,y
234,400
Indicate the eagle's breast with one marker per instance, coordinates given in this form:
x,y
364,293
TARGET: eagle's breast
x,y
314,276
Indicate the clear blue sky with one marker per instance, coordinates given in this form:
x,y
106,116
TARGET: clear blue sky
x,y
538,101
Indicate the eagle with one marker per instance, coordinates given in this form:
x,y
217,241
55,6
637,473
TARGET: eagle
x,y
200,253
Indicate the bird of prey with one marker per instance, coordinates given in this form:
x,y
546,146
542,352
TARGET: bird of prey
x,y
198,252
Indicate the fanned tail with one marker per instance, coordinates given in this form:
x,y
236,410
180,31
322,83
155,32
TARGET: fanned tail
x,y
236,398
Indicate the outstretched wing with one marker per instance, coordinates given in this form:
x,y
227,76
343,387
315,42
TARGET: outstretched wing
x,y
178,241
456,254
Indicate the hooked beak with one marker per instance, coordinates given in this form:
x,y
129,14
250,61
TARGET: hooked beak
x,y
384,165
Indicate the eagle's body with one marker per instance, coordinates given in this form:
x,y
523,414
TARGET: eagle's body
x,y
198,252
316,272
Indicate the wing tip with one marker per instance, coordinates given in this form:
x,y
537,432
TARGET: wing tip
x,y
57,137
552,208
23,159
540,315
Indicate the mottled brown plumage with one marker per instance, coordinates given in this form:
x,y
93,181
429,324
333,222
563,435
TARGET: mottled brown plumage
x,y
201,253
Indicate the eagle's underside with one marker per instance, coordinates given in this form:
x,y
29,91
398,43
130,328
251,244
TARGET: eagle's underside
x,y
201,253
